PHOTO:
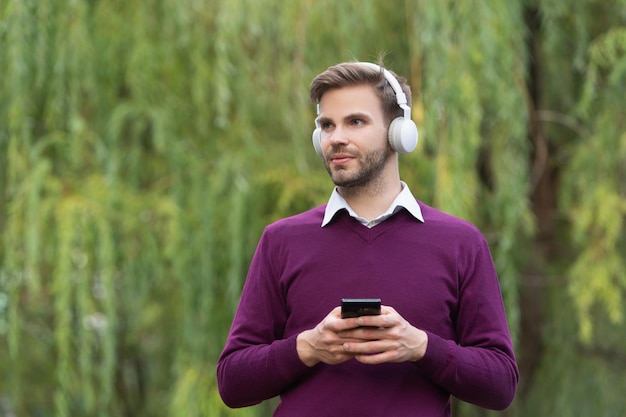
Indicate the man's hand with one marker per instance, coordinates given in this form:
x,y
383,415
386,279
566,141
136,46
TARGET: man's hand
x,y
323,343
370,339
385,338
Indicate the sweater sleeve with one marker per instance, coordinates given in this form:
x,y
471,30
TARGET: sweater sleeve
x,y
253,374
257,363
479,367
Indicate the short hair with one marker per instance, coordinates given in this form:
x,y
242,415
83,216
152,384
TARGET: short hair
x,y
353,74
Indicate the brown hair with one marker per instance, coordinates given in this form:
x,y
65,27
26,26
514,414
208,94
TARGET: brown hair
x,y
352,74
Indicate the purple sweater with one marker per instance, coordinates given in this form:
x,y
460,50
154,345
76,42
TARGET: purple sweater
x,y
439,275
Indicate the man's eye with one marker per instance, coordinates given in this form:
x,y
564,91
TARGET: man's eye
x,y
357,122
326,125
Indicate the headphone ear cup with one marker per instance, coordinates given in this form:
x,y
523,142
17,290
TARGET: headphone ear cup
x,y
317,141
402,135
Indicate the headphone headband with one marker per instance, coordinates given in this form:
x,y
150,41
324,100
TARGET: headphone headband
x,y
395,85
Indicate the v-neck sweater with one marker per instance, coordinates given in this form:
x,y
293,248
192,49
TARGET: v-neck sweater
x,y
438,275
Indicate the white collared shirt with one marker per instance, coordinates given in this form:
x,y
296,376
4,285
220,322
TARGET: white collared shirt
x,y
404,200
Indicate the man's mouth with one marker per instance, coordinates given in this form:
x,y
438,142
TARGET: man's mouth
x,y
340,159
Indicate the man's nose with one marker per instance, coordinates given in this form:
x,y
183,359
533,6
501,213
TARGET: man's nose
x,y
339,136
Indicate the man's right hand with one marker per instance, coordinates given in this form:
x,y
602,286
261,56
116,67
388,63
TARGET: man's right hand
x,y
323,344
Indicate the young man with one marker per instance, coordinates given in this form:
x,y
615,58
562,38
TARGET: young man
x,y
442,329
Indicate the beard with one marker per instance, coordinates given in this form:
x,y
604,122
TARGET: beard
x,y
370,165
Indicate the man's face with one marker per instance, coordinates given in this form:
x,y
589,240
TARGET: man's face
x,y
354,135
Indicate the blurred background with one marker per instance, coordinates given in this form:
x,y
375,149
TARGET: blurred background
x,y
144,145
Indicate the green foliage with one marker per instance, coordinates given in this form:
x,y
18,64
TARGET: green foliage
x,y
597,206
144,144
472,79
571,370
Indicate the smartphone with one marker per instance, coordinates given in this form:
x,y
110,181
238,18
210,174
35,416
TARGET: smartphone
x,y
355,307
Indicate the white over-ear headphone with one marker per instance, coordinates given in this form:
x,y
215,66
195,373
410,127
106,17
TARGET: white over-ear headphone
x,y
402,130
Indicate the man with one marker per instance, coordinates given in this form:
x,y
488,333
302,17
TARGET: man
x,y
442,330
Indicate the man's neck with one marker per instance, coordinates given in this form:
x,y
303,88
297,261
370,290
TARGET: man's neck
x,y
373,199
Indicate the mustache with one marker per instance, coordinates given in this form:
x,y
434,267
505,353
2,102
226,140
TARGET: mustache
x,y
341,150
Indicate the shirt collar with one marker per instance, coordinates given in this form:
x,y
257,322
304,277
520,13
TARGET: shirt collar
x,y
404,200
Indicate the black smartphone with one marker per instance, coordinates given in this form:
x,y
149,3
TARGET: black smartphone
x,y
355,307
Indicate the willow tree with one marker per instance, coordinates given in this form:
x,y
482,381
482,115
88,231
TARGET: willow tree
x,y
145,143
578,56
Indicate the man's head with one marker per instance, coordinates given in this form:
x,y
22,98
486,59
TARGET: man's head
x,y
392,92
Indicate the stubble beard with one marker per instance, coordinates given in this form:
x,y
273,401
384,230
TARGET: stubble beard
x,y
369,169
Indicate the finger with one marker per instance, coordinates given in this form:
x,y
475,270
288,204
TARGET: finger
x,y
387,310
382,321
336,312
335,323
363,333
378,358
376,352
367,348
342,325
